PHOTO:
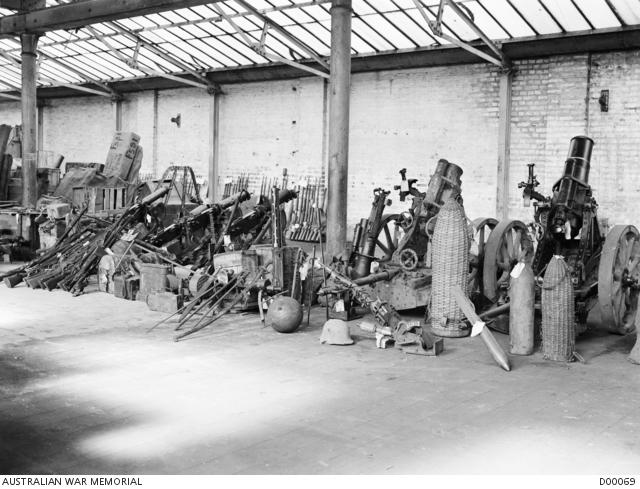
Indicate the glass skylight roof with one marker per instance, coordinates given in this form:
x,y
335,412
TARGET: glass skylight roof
x,y
200,39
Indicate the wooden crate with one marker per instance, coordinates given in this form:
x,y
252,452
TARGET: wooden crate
x,y
100,199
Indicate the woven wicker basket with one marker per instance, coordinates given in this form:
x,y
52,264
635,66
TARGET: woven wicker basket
x,y
558,317
450,267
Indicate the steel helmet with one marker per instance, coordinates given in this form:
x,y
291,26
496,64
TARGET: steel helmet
x,y
336,332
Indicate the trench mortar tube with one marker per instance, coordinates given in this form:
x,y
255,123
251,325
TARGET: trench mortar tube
x,y
572,192
365,256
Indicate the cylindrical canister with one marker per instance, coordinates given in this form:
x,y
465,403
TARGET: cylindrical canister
x,y
450,267
521,313
558,315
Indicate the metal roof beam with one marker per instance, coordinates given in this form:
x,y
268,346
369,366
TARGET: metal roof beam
x,y
86,12
8,95
162,54
282,31
79,73
436,27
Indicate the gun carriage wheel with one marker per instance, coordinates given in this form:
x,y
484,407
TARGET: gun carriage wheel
x,y
619,279
508,243
387,240
482,228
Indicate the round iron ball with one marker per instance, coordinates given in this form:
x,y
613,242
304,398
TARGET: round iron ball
x,y
284,314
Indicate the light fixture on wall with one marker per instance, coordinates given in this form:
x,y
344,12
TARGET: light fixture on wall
x,y
604,100
177,119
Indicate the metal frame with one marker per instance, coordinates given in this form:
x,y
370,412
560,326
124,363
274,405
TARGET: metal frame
x,y
195,44
436,27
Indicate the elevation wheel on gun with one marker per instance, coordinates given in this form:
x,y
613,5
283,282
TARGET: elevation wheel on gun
x,y
387,240
619,278
508,243
409,259
482,228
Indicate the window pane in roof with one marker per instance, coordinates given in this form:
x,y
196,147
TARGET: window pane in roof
x,y
179,32
130,23
370,35
317,12
599,13
212,29
205,11
508,17
567,14
362,8
158,19
485,22
231,49
310,40
278,18
537,16
389,31
188,14
239,45
418,36
207,50
457,25
157,60
629,10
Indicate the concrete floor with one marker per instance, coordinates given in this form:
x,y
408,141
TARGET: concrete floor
x,y
84,389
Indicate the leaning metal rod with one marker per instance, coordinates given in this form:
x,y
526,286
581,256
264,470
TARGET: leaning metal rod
x,y
313,264
324,272
239,296
179,311
227,289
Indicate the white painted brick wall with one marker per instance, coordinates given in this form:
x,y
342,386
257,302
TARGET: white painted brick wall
x,y
400,119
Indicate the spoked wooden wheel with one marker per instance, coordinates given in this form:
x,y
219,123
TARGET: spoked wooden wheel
x,y
618,279
508,243
387,240
482,228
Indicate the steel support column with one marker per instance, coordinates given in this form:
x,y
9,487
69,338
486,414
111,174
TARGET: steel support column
x,y
214,137
504,143
340,86
29,119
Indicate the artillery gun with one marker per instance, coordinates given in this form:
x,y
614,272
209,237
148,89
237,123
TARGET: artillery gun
x,y
401,243
603,270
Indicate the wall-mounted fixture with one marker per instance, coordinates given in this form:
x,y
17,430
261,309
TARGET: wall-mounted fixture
x,y
177,119
604,100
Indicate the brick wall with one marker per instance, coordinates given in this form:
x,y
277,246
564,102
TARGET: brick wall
x,y
10,113
80,128
266,127
410,119
399,119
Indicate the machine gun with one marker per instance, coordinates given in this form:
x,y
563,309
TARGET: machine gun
x,y
257,218
410,337
198,219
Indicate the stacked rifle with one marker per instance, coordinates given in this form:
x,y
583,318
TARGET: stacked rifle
x,y
235,185
75,257
304,215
